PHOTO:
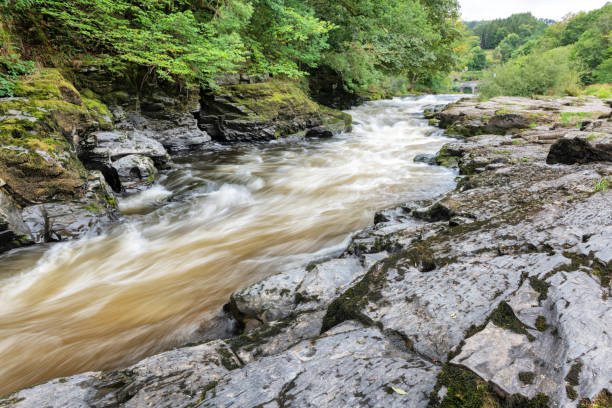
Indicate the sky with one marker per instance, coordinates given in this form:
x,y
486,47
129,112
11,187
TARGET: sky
x,y
555,9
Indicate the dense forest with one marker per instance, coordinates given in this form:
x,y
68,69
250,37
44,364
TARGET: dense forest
x,y
523,56
492,33
367,43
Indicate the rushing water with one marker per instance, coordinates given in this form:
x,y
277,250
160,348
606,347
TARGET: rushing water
x,y
212,225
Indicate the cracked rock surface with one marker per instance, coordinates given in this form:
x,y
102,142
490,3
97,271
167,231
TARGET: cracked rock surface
x,y
495,294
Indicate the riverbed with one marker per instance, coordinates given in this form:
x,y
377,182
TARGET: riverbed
x,y
212,224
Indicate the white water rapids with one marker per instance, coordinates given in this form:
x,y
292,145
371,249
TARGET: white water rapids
x,y
213,224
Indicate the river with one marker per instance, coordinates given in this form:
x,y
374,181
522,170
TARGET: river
x,y
213,224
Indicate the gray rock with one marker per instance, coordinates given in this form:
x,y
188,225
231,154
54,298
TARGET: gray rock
x,y
349,366
431,159
112,146
327,280
135,172
576,338
271,299
276,337
505,115
63,222
298,290
177,132
499,355
433,310
177,378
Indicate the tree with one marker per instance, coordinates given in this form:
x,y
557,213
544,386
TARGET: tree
x,y
477,60
509,44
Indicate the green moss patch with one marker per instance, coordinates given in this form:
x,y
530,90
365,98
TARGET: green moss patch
x,y
602,400
276,100
504,317
539,286
37,156
541,324
573,376
526,377
467,390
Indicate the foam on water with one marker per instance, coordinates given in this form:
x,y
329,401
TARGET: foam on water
x,y
213,224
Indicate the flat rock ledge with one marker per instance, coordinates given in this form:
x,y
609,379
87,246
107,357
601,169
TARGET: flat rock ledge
x,y
496,294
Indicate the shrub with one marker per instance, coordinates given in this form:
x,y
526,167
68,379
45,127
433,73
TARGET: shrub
x,y
550,73
603,91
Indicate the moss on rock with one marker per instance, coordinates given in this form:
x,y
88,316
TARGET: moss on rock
x,y
504,317
467,390
39,130
266,110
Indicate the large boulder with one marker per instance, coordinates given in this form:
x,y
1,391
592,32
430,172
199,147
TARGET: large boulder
x,y
265,111
577,151
136,172
13,231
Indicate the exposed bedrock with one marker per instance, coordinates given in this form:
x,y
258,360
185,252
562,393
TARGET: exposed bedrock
x,y
266,111
495,294
506,115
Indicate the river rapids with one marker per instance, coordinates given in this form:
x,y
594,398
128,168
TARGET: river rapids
x,y
213,224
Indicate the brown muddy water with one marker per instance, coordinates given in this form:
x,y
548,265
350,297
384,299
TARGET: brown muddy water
x,y
213,224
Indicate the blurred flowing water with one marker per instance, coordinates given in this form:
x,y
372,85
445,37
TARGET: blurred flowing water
x,y
213,224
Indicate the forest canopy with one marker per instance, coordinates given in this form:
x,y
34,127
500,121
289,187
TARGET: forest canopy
x,y
194,41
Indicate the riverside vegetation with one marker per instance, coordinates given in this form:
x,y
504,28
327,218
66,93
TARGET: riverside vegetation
x,y
496,293
524,56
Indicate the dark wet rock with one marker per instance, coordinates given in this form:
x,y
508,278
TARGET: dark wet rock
x,y
13,231
327,88
178,131
265,111
320,132
183,139
431,159
576,151
434,213
62,221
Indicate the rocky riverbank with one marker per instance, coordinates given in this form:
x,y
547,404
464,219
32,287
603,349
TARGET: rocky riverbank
x,y
495,294
70,148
